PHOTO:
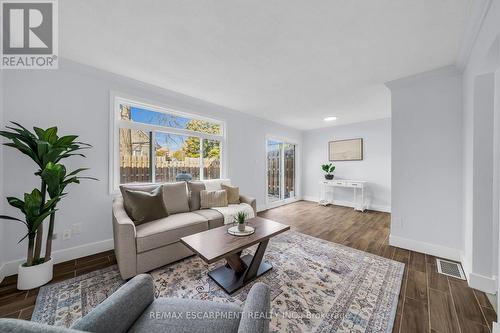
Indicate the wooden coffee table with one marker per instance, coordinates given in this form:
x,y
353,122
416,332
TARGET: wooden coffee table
x,y
215,244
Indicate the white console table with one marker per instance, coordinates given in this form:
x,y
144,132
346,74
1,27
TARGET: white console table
x,y
327,192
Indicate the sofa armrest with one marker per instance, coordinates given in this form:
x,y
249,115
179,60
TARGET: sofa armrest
x,y
256,312
124,235
119,311
251,201
8,325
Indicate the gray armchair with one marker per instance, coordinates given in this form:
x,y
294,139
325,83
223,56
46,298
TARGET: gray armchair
x,y
133,308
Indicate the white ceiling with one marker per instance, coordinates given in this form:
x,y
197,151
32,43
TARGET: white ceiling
x,y
293,62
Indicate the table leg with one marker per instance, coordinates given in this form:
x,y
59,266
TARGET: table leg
x,y
256,261
239,271
234,261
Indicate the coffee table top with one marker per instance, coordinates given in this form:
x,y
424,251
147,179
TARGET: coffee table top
x,y
215,244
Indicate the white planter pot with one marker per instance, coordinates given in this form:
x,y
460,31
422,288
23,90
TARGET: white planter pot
x,y
241,227
34,276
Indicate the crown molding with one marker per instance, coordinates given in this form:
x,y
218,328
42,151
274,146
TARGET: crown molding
x,y
477,13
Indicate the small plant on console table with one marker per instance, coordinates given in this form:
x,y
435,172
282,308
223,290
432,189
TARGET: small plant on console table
x,y
328,168
240,219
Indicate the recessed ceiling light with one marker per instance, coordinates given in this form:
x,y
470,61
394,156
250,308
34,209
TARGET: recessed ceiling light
x,y
330,118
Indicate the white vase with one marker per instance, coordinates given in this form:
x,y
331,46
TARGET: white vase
x,y
241,227
34,276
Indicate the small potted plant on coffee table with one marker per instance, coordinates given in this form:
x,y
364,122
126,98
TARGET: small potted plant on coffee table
x,y
328,168
240,219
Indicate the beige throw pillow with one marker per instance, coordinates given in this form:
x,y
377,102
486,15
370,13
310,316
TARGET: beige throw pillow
x,y
175,196
146,206
194,194
233,193
210,199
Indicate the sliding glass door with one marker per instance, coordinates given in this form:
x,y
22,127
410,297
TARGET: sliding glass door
x,y
281,158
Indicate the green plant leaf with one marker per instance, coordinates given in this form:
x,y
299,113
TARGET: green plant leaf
x,y
42,147
39,132
89,178
88,145
51,135
22,130
5,217
68,155
25,149
15,202
53,174
65,141
39,219
72,173
33,202
23,238
53,155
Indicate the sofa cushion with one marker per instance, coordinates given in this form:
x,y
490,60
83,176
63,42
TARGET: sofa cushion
x,y
146,206
126,200
194,189
215,219
175,196
215,184
168,230
209,199
233,193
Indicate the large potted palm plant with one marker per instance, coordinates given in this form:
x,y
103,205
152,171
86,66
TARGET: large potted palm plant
x,y
47,150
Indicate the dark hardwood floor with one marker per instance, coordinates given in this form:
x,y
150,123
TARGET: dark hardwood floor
x,y
428,302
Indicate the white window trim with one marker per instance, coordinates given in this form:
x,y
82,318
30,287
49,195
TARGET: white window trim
x,y
297,175
115,123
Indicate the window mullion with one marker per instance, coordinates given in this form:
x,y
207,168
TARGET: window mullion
x,y
152,156
202,169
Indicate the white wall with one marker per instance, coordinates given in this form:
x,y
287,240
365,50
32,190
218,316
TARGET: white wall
x,y
427,163
375,167
76,98
481,221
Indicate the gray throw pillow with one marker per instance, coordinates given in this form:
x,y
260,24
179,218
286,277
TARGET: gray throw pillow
x,y
146,206
127,203
175,197
210,199
194,194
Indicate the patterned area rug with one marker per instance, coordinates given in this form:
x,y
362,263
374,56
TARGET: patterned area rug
x,y
317,286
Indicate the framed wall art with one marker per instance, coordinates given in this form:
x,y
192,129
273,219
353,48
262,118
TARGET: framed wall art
x,y
345,150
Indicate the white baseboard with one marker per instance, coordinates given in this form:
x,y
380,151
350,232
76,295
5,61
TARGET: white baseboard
x,y
496,328
309,198
378,208
478,281
483,283
432,249
10,268
261,208
466,266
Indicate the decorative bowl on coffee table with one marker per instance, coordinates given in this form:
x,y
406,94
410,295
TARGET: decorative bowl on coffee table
x,y
235,231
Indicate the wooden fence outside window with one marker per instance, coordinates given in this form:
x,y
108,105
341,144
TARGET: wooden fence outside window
x,y
136,168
